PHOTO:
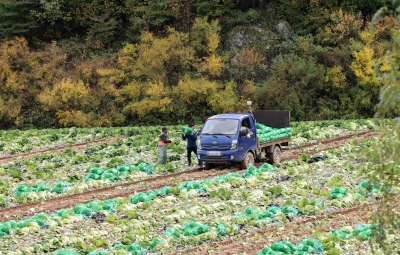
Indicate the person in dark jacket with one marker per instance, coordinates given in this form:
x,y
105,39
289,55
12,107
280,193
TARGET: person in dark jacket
x,y
191,144
162,146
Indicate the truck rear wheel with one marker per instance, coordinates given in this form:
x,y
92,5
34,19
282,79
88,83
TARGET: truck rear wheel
x,y
248,161
275,156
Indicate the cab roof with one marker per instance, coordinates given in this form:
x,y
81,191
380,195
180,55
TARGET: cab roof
x,y
238,116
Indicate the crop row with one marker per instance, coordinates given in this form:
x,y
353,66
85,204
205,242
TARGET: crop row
x,y
18,141
70,168
156,220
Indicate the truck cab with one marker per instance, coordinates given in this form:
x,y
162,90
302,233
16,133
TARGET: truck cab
x,y
227,138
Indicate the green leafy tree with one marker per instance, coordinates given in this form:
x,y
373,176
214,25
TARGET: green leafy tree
x,y
295,84
15,18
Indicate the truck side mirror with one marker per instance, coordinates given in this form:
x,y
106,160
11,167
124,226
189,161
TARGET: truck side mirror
x,y
243,132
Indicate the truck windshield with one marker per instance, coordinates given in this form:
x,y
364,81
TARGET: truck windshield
x,y
220,127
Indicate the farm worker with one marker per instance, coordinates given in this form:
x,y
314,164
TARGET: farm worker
x,y
162,146
249,132
191,143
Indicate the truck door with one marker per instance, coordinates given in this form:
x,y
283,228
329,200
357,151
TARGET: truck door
x,y
247,142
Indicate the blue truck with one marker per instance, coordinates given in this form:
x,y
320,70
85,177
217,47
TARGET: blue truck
x,y
231,138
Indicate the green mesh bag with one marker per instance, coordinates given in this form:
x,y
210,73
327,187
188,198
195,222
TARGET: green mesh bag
x,y
93,176
42,187
274,209
265,215
282,247
112,171
221,229
172,232
187,130
21,224
61,187
81,209
21,189
94,206
135,249
154,243
289,210
108,176
64,211
96,170
140,197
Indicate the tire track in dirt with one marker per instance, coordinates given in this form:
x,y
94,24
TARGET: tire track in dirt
x,y
76,146
126,189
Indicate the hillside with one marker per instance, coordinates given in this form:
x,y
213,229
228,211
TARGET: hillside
x,y
113,63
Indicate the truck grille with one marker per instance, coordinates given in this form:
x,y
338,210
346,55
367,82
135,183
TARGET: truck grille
x,y
215,158
215,147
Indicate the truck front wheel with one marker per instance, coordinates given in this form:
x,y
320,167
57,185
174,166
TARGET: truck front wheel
x,y
248,161
208,166
275,156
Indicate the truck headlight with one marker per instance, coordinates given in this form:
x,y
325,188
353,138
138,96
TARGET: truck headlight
x,y
234,144
199,144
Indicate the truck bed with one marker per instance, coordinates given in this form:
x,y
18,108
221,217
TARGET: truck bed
x,y
273,142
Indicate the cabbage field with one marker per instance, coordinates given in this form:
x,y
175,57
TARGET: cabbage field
x,y
184,214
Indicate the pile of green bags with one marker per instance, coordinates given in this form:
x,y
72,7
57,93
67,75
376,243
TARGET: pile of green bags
x,y
118,173
189,185
254,171
253,214
305,247
141,197
289,210
144,167
193,228
186,130
278,248
96,206
8,227
59,188
270,214
338,192
190,228
362,232
266,133
112,174
167,190
368,187
309,246
172,232
135,248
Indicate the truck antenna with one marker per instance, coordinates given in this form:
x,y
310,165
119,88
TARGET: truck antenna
x,y
249,103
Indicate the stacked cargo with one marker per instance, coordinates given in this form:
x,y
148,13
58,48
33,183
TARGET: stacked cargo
x,y
267,134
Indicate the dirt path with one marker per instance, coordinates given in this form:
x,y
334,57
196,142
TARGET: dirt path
x,y
296,231
76,146
126,189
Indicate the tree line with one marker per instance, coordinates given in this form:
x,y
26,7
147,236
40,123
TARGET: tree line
x,y
112,63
